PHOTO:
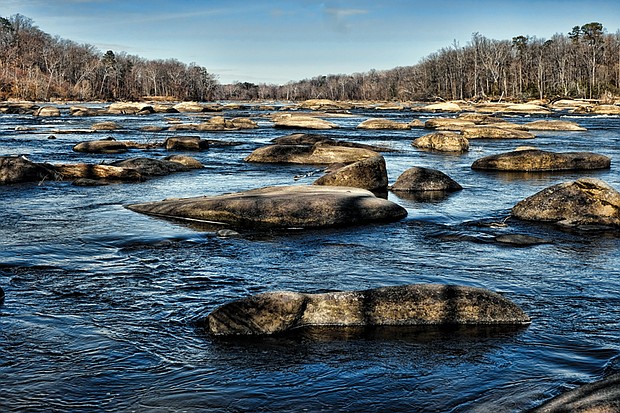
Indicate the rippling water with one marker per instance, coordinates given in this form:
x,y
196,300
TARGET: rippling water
x,y
101,302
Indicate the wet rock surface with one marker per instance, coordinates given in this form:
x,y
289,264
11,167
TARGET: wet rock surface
x,y
418,179
537,160
417,304
281,207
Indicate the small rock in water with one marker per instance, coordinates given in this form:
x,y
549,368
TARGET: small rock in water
x,y
51,137
520,240
1,295
227,233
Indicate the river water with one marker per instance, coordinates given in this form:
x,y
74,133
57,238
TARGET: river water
x,y
101,302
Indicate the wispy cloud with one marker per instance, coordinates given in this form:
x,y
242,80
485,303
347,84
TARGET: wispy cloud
x,y
338,17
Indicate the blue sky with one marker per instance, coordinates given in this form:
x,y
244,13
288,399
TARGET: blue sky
x,y
282,40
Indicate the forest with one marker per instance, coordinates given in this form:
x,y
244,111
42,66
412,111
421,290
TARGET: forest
x,y
583,63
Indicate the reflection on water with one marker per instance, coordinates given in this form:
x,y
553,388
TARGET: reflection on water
x,y
101,302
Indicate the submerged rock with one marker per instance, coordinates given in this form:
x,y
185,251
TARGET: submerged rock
x,y
442,142
16,169
602,396
409,305
102,126
317,154
370,173
586,201
424,179
528,160
281,207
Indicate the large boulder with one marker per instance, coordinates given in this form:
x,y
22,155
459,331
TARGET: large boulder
x,y
537,160
369,173
424,179
151,167
602,396
101,146
495,132
16,169
281,207
443,142
317,154
301,122
185,143
383,124
584,202
408,305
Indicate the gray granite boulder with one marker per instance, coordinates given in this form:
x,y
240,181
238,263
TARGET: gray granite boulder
x,y
369,173
537,160
408,305
281,207
424,179
586,201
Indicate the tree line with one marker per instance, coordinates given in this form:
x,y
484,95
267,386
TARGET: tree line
x,y
584,63
37,66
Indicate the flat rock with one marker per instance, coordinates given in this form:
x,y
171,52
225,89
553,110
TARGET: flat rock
x,y
151,167
129,108
71,172
310,139
553,125
387,124
302,122
324,104
586,201
281,207
369,173
449,124
408,305
442,107
424,179
442,142
188,107
602,396
103,126
317,154
185,143
495,132
529,160
101,146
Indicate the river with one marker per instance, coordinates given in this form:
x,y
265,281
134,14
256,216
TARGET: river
x,y
101,302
